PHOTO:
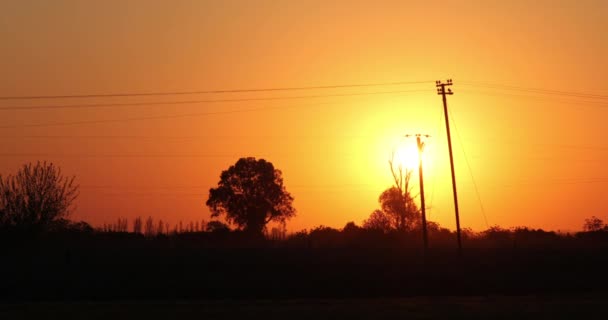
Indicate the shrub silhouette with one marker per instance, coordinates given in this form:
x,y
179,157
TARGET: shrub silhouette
x,y
37,198
593,224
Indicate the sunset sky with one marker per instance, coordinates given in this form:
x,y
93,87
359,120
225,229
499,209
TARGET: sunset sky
x,y
537,158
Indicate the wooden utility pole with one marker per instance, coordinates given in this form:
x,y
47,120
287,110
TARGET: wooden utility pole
x,y
441,90
420,144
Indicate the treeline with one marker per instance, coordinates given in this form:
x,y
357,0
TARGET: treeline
x,y
150,233
352,261
36,202
151,228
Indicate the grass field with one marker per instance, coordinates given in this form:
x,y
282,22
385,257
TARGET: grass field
x,y
491,307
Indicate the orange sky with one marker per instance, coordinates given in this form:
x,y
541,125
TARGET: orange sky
x,y
536,158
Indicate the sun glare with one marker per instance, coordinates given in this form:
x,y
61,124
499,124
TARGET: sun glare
x,y
406,156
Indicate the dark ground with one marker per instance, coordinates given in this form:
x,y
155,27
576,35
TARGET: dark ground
x,y
281,273
489,307
132,279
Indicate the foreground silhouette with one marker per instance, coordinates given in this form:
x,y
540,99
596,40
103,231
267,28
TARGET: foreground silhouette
x,y
476,307
207,260
251,194
321,263
37,198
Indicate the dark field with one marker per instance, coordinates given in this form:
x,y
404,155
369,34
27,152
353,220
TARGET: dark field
x,y
281,273
115,278
490,307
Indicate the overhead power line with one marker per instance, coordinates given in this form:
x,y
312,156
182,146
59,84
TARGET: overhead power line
x,y
483,84
132,104
152,155
119,155
181,187
466,159
535,90
175,116
171,93
570,102
190,137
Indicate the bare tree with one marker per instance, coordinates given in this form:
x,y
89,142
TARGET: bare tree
x,y
401,176
161,227
38,196
593,224
149,230
122,225
398,200
137,225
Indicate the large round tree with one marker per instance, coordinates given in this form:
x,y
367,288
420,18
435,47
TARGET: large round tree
x,y
251,194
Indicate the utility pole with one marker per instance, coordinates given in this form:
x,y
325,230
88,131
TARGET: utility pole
x,y
441,90
420,144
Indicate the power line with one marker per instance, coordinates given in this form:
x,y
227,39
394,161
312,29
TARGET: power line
x,y
433,172
303,188
192,137
546,184
134,104
483,84
146,187
150,155
535,90
569,101
340,185
186,115
530,143
197,114
319,137
121,155
466,158
159,190
141,94
146,194
554,159
179,187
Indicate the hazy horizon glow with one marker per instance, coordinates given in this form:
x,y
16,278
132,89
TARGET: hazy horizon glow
x,y
537,157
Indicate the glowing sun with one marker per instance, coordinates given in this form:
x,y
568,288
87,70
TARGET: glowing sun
x,y
406,156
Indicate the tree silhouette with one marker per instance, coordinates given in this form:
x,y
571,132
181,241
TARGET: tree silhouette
x,y
400,207
593,224
137,225
161,227
217,226
251,194
379,220
149,230
38,197
398,201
